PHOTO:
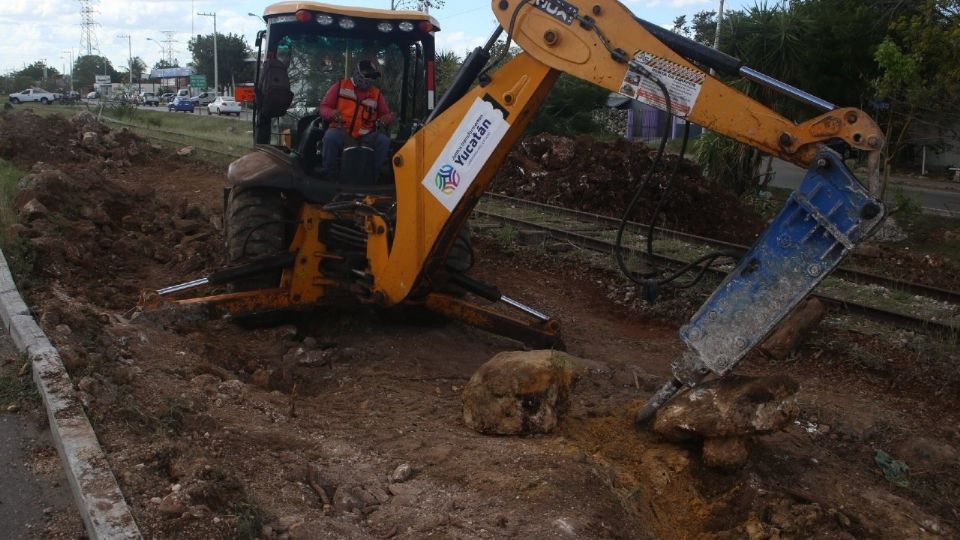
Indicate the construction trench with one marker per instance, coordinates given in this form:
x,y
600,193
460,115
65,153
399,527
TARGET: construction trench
x,y
348,421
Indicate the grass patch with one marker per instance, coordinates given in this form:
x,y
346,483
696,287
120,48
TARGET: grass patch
x,y
16,388
9,176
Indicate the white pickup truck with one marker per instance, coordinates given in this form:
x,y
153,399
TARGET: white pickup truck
x,y
33,94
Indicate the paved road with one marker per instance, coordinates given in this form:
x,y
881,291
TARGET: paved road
x,y
30,503
945,201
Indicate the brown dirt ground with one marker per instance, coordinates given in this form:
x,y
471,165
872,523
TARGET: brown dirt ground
x,y
215,431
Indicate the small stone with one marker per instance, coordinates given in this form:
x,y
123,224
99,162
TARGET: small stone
x,y
13,407
90,138
260,377
232,387
402,473
33,209
284,523
346,499
185,151
172,506
266,531
48,510
310,342
156,500
402,490
725,453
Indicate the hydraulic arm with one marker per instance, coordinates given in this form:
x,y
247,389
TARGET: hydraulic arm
x,y
444,169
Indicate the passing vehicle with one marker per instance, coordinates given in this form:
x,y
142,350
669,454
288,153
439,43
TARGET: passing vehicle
x,y
150,99
224,105
180,104
38,95
166,97
204,98
300,237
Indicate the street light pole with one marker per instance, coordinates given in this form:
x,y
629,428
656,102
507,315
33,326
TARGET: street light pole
x,y
216,68
71,68
129,59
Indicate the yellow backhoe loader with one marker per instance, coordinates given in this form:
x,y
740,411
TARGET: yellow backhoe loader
x,y
298,234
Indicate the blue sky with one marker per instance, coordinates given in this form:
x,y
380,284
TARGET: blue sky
x,y
49,29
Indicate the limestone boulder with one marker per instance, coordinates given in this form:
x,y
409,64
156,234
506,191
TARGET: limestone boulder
x,y
520,392
734,406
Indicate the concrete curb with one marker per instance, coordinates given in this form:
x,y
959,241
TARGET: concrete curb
x,y
104,510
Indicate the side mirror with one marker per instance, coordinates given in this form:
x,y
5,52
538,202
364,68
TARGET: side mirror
x,y
259,37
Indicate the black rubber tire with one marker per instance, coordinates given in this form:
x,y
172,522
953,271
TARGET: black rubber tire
x,y
256,227
44,101
15,101
460,257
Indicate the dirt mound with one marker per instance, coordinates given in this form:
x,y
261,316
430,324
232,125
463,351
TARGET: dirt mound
x,y
601,177
80,227
26,138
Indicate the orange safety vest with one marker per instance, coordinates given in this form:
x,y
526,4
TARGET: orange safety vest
x,y
359,117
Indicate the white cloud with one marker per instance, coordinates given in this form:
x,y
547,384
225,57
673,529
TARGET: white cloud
x,y
459,42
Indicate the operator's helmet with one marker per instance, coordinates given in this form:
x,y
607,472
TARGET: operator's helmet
x,y
365,74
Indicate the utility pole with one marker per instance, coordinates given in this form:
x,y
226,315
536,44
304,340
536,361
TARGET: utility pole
x,y
716,37
70,52
129,57
216,68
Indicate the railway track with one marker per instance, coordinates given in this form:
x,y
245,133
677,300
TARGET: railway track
x,y
857,292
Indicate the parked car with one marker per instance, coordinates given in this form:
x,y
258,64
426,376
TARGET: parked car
x,y
149,98
184,92
93,95
224,105
167,97
33,94
180,104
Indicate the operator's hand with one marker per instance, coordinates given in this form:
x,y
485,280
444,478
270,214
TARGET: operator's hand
x,y
336,117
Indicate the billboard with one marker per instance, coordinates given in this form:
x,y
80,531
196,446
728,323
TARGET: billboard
x,y
101,79
169,73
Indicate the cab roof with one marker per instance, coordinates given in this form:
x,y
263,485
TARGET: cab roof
x,y
281,8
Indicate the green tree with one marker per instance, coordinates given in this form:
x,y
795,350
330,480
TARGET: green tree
x,y
568,107
88,66
163,64
35,72
919,77
232,53
446,66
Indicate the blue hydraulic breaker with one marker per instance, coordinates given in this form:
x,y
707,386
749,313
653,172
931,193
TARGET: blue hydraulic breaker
x,y
822,221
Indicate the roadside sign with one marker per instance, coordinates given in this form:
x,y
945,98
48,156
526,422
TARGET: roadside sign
x,y
198,81
243,94
101,79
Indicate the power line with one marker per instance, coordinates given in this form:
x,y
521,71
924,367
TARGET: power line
x,y
88,26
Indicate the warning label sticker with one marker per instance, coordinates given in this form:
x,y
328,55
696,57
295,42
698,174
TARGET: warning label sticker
x,y
682,83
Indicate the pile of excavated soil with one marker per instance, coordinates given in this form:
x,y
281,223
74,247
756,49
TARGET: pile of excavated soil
x,y
27,138
601,177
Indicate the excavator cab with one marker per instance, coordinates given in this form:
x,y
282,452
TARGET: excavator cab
x,y
309,47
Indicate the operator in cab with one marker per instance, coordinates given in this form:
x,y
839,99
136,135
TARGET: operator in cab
x,y
353,108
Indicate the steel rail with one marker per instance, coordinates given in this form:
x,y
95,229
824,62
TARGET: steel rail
x,y
856,276
595,244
